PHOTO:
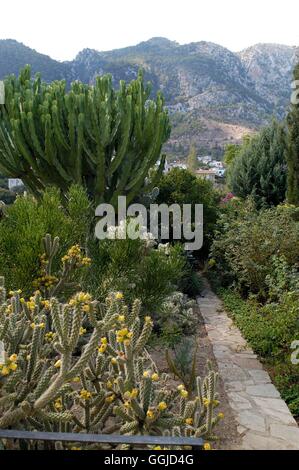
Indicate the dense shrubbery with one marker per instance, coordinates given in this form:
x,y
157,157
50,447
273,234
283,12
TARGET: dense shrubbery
x,y
181,187
248,245
26,222
270,330
256,255
135,267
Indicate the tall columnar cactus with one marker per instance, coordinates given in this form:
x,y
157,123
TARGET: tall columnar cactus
x,y
104,139
83,366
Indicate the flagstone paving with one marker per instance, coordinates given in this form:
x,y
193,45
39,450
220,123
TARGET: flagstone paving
x,y
264,420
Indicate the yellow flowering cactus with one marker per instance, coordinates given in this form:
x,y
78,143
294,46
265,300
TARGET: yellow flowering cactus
x,y
50,285
110,384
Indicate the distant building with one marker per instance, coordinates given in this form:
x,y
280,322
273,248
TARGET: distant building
x,y
166,166
219,172
182,166
206,160
216,164
209,175
14,183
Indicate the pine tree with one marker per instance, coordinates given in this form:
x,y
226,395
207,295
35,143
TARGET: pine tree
x,y
292,153
103,139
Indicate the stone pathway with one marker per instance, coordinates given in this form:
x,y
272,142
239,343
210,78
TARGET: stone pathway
x,y
264,420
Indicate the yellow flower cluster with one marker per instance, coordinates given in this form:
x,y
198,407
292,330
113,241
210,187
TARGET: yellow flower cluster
x,y
82,331
110,399
74,254
58,404
46,304
43,260
206,402
85,394
207,446
83,299
49,336
10,366
131,395
124,336
147,374
183,392
103,346
8,310
189,421
119,296
42,326
12,292
162,406
150,414
45,281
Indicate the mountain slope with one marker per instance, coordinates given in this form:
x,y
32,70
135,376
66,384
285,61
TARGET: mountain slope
x,y
14,56
214,95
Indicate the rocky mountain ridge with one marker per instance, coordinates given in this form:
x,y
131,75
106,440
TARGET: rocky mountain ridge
x,y
214,95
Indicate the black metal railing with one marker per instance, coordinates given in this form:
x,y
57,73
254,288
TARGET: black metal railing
x,y
195,443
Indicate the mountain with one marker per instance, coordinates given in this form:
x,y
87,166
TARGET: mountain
x,y
214,96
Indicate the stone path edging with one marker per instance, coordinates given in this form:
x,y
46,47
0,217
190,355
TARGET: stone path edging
x,y
263,418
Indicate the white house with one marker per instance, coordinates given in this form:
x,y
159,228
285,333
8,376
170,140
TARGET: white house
x,y
216,164
14,182
206,160
206,174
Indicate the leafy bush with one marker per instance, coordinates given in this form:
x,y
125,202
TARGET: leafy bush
x,y
135,268
181,187
270,330
26,222
248,242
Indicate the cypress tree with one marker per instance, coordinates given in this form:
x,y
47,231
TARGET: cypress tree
x,y
259,169
292,153
192,163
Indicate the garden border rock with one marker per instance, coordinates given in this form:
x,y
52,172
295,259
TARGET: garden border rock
x,y
264,420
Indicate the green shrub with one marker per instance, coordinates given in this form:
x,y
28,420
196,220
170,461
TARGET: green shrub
x,y
271,330
181,187
135,268
27,221
247,242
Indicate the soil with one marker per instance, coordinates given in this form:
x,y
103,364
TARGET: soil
x,y
226,430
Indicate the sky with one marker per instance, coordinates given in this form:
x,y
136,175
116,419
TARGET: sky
x,y
61,28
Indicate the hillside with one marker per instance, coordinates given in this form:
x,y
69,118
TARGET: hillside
x,y
214,95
